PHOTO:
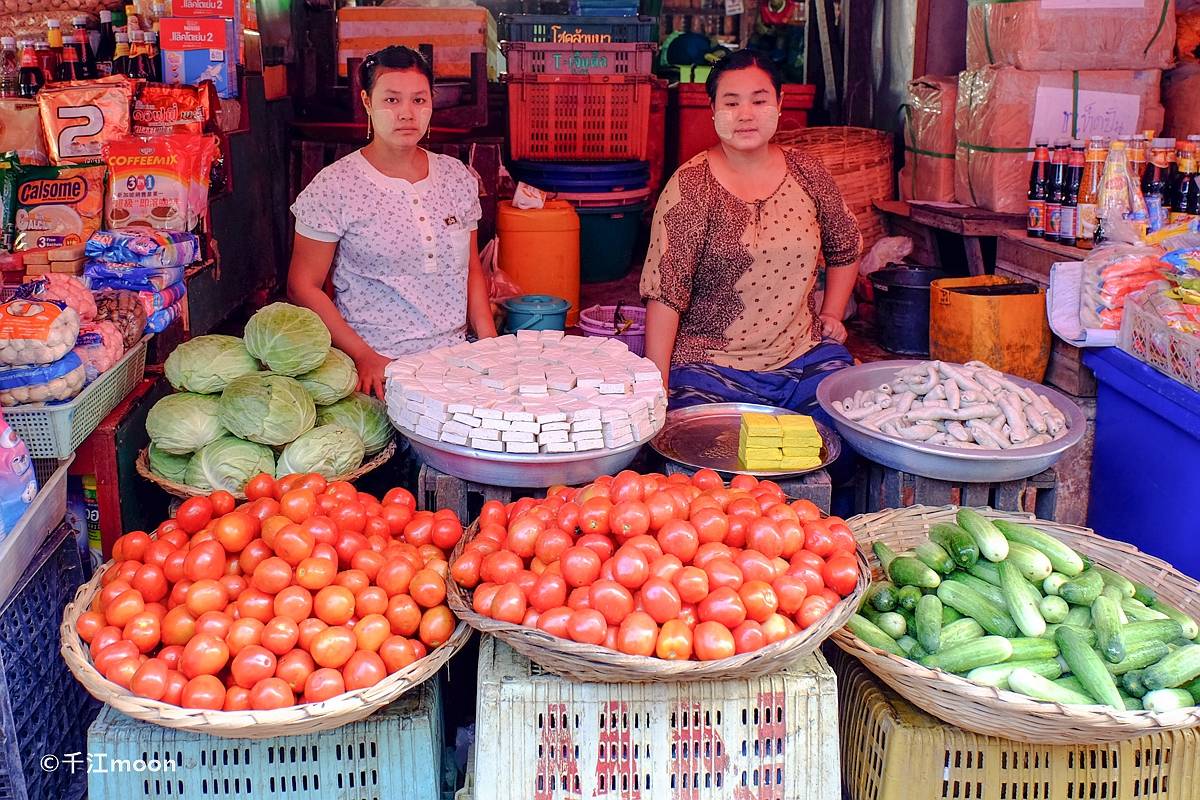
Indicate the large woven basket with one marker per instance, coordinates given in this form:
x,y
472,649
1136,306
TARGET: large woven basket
x,y
584,662
860,160
183,490
306,718
994,712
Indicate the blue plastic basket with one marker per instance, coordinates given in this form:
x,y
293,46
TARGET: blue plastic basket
x,y
394,754
600,176
43,710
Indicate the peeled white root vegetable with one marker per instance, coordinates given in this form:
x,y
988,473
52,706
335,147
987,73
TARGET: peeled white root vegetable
x,y
61,388
17,350
968,406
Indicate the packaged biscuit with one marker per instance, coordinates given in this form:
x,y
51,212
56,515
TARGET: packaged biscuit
x,y
56,206
144,248
159,110
158,181
21,130
78,116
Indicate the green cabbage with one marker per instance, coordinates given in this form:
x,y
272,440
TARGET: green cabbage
x,y
333,380
207,364
329,450
362,414
171,466
228,463
289,339
185,422
268,409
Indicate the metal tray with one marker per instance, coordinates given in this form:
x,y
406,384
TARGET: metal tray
x,y
936,461
519,471
706,437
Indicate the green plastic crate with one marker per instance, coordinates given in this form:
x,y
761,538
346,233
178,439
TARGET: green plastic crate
x,y
392,755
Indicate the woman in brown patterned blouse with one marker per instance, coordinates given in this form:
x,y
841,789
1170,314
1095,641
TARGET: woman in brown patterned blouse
x,y
738,236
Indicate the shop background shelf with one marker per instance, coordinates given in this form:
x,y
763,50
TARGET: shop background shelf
x,y
566,29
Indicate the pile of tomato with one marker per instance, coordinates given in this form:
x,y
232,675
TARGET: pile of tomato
x,y
307,590
672,567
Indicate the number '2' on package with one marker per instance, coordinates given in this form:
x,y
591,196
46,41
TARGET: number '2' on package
x,y
202,49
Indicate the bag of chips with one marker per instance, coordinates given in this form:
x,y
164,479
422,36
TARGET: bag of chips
x,y
124,310
158,181
57,206
78,116
144,248
160,110
160,320
21,131
105,275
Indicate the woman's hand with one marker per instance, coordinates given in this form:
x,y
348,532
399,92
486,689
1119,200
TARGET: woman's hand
x,y
832,328
371,367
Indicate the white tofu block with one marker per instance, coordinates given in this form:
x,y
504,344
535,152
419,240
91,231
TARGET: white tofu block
x,y
488,413
485,435
613,387
517,436
451,438
547,437
589,383
469,420
647,375
618,429
429,432
561,384
587,413
618,441
614,415
534,388
526,336
549,427
525,427
580,425
460,408
490,446
559,447
589,444
550,418
519,416
550,336
499,382
457,429
495,425
409,418
521,447
590,436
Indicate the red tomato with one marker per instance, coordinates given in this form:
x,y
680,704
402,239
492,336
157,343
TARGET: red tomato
x,y
711,524
637,635
793,536
89,624
811,610
722,605
437,625
744,507
242,634
482,599
660,599
665,566
711,550
551,543
112,653
177,627
790,590
723,572
587,626
193,514
404,615
554,621
748,637
372,631
261,485
397,653
150,582
203,691
399,496
176,680
692,584
509,604
150,679
759,599
813,583
843,537
806,510
841,573
763,535
631,568
679,538
334,605
580,566
144,630
706,479
124,607
255,604
628,519
674,641
204,655
235,530
713,641
465,569
568,517
322,684
271,693
755,566
364,669
738,528
280,635
500,566
777,627
611,599
333,647
427,588
214,623
818,538
549,591
447,531
205,560
594,515
493,513
251,665
206,595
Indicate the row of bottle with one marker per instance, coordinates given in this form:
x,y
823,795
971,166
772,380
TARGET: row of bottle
x,y
71,57
1072,189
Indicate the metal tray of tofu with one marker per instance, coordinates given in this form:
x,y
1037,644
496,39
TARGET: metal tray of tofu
x,y
706,437
520,471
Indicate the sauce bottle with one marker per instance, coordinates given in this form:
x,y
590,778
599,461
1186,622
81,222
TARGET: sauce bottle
x,y
1039,190
30,77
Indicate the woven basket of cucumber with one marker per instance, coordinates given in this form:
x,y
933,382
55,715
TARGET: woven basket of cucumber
x,y
1010,626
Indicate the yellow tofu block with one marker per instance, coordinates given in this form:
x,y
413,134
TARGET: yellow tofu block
x,y
760,453
800,463
796,422
801,452
760,441
801,441
761,424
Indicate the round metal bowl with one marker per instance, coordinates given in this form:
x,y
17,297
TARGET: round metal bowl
x,y
520,471
936,461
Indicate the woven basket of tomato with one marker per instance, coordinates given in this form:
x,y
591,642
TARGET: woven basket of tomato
x,y
310,606
643,578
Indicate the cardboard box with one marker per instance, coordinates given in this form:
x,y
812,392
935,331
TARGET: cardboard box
x,y
201,48
454,33
928,172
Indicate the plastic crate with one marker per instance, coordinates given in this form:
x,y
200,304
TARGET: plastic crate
x,y
892,750
1146,336
44,514
396,753
542,737
596,118
590,177
44,711
578,30
559,58
608,239
54,431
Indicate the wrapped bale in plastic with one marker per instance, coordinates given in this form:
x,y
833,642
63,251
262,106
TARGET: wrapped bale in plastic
x,y
1181,90
36,332
928,172
42,383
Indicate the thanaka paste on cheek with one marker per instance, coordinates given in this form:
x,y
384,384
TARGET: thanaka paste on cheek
x,y
766,120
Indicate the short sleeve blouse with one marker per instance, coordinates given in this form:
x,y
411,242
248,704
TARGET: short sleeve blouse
x,y
400,270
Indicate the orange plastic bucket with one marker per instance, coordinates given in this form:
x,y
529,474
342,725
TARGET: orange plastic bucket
x,y
1007,332
539,249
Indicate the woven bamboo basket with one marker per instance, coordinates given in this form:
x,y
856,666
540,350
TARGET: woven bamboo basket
x,y
585,662
183,490
860,160
306,718
1007,714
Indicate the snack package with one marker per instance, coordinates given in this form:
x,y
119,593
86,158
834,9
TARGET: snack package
x,y
157,301
77,117
103,275
160,110
36,332
124,310
21,131
46,383
158,181
1110,276
99,346
65,289
160,320
56,206
18,485
195,50
144,248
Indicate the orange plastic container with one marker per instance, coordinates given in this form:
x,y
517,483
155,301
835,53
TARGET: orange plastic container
x,y
1007,332
539,249
692,125
579,117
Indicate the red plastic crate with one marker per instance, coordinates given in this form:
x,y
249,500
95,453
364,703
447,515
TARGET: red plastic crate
x,y
579,118
558,58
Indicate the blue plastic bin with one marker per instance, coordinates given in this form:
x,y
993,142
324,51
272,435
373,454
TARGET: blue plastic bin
x,y
44,711
595,176
535,312
1146,466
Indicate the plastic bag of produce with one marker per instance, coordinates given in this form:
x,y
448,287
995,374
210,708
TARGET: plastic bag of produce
x,y
364,415
36,332
171,466
144,247
99,346
207,364
66,289
228,463
123,309
105,275
289,339
18,484
1110,276
329,450
185,422
42,383
268,409
334,380
160,320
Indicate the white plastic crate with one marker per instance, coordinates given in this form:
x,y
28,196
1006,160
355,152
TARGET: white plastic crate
x,y
1148,338
36,524
542,737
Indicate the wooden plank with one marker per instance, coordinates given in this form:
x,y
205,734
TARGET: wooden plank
x,y
931,492
1007,496
974,495
964,220
975,263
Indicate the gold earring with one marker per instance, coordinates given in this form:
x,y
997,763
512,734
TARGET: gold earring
x,y
368,127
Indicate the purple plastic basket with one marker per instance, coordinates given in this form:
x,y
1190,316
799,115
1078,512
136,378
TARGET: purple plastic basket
x,y
627,323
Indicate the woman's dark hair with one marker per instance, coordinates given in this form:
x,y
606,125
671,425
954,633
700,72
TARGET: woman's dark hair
x,y
743,59
394,57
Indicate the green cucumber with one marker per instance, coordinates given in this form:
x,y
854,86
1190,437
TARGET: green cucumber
x,y
869,632
1070,682
1132,683
1053,609
1087,666
959,631
1139,657
1176,669
1032,562
893,624
1163,630
1063,558
1190,629
967,601
1021,599
907,643
910,571
1139,612
1120,582
929,623
1160,700
993,593
997,674
1110,639
884,553
1030,684
1083,589
1132,703
870,613
917,653
907,598
985,571
1194,688
1079,616
1113,593
1144,594
950,615
1027,648
1088,634
955,541
988,538
1053,583
934,556
969,655
881,596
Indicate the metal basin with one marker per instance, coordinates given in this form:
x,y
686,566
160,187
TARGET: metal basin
x,y
936,461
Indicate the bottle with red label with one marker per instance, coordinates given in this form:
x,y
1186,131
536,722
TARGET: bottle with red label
x,y
71,68
1039,190
30,80
1068,232
1058,188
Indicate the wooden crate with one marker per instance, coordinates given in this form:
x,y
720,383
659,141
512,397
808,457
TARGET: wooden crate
x,y
880,487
